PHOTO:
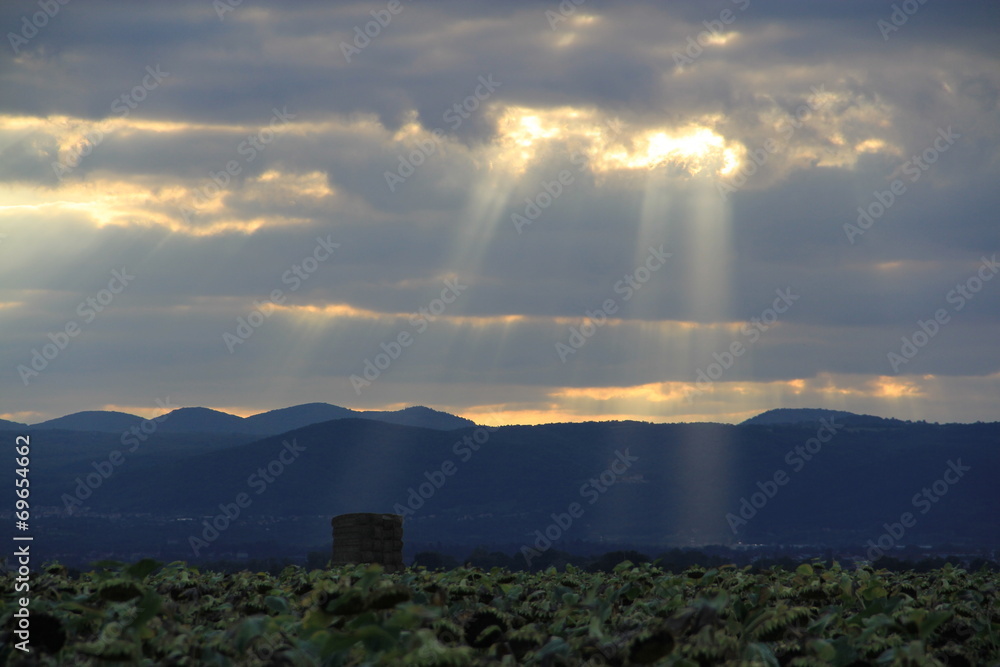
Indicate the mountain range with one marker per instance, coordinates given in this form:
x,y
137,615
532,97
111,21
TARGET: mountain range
x,y
273,422
814,415
826,479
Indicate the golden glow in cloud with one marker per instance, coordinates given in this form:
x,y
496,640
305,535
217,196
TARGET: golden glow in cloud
x,y
26,417
106,201
610,146
729,402
653,393
549,414
662,328
664,402
896,388
103,197
335,311
694,148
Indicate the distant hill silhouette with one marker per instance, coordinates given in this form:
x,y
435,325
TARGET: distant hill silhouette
x,y
286,419
480,485
297,416
201,420
13,426
419,416
105,421
813,415
273,422
682,482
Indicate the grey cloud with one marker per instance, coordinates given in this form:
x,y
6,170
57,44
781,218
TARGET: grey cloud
x,y
787,223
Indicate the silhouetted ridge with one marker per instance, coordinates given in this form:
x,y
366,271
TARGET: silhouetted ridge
x,y
421,416
273,422
811,415
105,421
297,416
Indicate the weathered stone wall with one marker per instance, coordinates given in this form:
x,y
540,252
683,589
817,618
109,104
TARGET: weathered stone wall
x,y
368,538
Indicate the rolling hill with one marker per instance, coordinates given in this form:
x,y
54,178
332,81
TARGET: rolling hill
x,y
683,483
814,415
11,426
205,420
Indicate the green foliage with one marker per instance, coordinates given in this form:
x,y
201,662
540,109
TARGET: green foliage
x,y
638,614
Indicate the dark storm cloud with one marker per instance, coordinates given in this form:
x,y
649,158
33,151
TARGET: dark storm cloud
x,y
324,175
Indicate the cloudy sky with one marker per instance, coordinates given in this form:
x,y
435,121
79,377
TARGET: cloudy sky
x,y
518,212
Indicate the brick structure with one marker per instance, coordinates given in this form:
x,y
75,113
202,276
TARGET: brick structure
x,y
368,538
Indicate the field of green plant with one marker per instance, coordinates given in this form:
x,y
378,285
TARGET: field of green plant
x,y
150,614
